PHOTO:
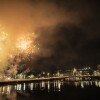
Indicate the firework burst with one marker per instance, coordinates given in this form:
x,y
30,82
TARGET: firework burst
x,y
21,48
24,45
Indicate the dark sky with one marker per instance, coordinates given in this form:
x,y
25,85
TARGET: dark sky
x,y
73,43
68,30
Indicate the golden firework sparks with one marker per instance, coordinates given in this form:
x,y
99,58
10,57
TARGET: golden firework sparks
x,y
24,44
12,46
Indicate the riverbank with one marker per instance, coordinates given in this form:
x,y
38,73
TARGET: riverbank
x,y
66,78
29,80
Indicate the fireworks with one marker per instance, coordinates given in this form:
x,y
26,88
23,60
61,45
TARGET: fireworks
x,y
3,36
22,46
3,45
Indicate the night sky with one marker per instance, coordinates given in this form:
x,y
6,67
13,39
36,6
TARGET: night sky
x,y
68,30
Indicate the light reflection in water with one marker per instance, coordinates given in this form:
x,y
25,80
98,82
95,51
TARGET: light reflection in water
x,y
48,86
5,89
24,86
82,85
45,85
31,86
87,83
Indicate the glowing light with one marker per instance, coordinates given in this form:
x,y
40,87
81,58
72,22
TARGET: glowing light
x,y
24,44
3,48
14,49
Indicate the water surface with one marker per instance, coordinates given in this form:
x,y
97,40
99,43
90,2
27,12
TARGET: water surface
x,y
51,90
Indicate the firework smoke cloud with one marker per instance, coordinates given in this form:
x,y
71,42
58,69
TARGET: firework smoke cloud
x,y
39,33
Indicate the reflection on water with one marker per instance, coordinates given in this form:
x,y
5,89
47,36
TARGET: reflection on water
x,y
8,90
87,83
55,85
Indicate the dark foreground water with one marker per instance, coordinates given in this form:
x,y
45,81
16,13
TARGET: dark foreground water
x,y
51,90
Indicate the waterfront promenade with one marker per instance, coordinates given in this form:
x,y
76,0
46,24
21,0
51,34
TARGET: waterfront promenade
x,y
30,80
67,78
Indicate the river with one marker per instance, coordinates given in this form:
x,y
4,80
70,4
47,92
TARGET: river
x,y
51,90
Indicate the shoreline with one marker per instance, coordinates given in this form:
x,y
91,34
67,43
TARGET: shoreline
x,y
13,81
29,80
